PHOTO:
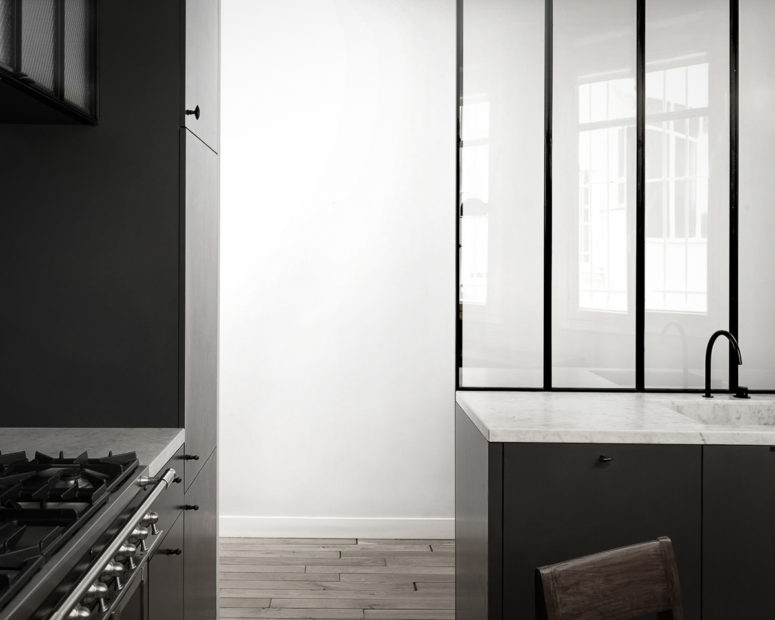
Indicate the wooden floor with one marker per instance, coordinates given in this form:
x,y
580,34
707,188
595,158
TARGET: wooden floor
x,y
337,579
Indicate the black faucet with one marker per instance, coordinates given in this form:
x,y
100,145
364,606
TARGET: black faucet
x,y
739,391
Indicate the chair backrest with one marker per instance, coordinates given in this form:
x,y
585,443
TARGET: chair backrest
x,y
629,582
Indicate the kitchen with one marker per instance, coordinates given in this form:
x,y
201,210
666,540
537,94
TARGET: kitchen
x,y
253,366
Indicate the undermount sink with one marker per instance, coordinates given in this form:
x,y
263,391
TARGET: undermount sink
x,y
728,411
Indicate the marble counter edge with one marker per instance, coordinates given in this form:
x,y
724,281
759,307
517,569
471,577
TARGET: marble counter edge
x,y
693,433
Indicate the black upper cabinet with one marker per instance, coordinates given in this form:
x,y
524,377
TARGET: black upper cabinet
x,y
48,61
738,542
201,303
202,69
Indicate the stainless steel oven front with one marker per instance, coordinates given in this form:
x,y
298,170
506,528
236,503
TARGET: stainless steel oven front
x,y
115,585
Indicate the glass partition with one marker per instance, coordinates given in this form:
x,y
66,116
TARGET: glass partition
x,y
501,193
757,211
687,190
594,182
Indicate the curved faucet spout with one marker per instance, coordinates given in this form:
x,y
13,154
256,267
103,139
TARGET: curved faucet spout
x,y
709,354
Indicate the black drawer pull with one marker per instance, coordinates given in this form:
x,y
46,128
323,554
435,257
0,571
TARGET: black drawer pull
x,y
178,480
191,457
191,507
171,551
195,112
604,459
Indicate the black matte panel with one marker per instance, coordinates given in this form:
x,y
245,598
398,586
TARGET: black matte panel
x,y
200,556
738,537
89,242
561,503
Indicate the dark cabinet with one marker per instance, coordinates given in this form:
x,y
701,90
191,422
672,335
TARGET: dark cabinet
x,y
202,69
165,576
201,303
562,501
738,539
201,545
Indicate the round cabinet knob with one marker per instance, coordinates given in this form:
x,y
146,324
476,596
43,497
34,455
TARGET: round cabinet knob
x,y
113,570
151,519
195,112
80,612
97,592
125,552
138,534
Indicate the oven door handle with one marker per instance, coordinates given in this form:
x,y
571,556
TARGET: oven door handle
x,y
97,568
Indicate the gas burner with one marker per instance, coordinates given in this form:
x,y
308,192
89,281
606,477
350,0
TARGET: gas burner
x,y
44,501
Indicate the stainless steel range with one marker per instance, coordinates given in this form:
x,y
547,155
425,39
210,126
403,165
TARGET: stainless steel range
x,y
76,536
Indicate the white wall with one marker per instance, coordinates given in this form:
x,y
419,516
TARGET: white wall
x,y
337,281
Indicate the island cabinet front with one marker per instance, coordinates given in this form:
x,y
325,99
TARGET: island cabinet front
x,y
738,532
562,501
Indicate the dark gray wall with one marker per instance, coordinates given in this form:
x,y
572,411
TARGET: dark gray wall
x,y
89,241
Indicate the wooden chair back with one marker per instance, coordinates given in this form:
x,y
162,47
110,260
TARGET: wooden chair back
x,y
630,582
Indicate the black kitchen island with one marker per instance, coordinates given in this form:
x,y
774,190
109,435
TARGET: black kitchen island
x,y
546,477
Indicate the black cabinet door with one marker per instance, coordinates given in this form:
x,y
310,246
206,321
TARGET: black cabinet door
x,y
165,577
202,68
201,309
561,502
738,534
200,545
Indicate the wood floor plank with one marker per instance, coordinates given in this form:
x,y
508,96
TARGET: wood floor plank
x,y
406,602
269,577
410,614
337,579
396,569
307,561
290,541
395,578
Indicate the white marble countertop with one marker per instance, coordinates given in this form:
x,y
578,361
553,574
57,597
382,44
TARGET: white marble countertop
x,y
587,417
154,446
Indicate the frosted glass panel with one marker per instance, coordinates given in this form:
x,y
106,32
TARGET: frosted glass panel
x,y
501,185
687,190
757,212
594,180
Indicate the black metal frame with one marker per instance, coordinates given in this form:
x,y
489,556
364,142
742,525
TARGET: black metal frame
x,y
640,224
17,79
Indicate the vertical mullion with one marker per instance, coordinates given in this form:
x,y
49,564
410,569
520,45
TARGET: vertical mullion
x,y
640,199
548,105
16,62
59,49
458,205
734,102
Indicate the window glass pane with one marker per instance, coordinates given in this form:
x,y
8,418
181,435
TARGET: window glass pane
x,y
593,314
687,189
501,228
757,212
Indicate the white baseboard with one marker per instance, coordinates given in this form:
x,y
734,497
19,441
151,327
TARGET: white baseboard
x,y
336,527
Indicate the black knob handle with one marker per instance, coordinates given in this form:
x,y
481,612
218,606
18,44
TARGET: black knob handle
x,y
604,459
177,480
191,457
195,112
171,551
191,507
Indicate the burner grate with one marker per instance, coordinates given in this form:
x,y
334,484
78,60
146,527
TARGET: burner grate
x,y
44,501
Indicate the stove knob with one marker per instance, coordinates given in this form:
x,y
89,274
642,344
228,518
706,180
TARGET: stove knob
x,y
80,612
97,592
127,551
113,570
151,519
138,535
